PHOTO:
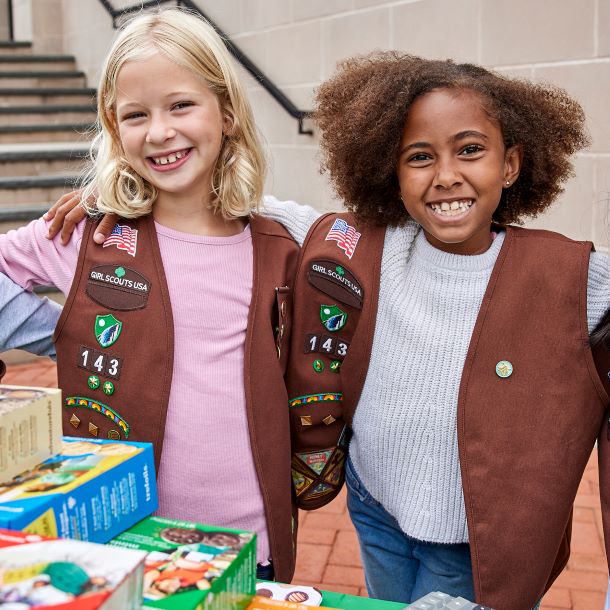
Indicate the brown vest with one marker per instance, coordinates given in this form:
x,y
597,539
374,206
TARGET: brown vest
x,y
524,439
133,351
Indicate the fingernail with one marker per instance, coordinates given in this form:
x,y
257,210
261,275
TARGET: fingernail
x,y
98,238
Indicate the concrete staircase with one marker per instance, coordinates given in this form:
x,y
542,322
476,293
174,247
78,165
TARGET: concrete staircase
x,y
46,114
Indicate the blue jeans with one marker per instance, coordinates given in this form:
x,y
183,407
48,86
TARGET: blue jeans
x,y
399,568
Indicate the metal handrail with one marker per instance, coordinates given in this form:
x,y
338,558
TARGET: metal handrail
x,y
9,9
240,56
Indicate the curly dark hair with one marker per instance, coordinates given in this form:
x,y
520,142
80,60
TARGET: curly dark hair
x,y
362,109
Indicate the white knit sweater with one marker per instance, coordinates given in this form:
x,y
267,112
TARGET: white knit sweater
x,y
404,446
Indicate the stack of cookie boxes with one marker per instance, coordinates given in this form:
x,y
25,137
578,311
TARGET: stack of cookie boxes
x,y
94,490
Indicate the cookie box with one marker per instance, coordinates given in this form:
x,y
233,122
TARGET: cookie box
x,y
67,574
92,490
193,567
266,603
30,428
298,594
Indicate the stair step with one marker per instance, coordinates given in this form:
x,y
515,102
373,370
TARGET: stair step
x,y
37,167
39,159
27,63
53,150
41,78
16,47
22,213
34,189
45,59
46,132
29,96
43,151
49,114
13,217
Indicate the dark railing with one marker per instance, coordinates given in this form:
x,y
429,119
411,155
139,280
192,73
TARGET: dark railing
x,y
278,96
9,11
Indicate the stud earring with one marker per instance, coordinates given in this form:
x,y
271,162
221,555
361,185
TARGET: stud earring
x,y
508,183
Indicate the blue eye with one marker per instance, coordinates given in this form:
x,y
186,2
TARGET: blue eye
x,y
132,115
181,105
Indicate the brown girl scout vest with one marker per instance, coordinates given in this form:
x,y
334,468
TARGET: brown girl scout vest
x,y
530,404
114,344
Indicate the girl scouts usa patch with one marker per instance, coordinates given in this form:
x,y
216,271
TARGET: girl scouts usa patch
x,y
335,281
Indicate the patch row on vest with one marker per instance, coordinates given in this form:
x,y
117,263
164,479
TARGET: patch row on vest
x,y
74,402
313,398
335,280
118,287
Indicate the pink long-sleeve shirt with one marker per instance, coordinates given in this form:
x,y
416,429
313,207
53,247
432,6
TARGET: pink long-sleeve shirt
x,y
206,472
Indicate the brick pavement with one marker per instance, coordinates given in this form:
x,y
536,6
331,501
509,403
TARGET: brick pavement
x,y
328,549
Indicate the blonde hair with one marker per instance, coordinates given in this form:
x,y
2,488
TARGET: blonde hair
x,y
189,41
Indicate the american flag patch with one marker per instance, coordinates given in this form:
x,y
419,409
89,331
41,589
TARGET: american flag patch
x,y
345,235
124,238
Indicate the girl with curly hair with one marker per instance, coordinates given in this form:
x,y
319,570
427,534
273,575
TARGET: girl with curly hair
x,y
453,344
469,386
171,333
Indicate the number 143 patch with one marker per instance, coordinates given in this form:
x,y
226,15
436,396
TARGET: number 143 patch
x,y
98,362
324,344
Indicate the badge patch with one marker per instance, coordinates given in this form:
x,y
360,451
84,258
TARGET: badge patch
x,y
118,287
124,238
345,235
107,329
336,281
316,461
73,402
300,482
332,318
324,344
311,398
321,489
98,362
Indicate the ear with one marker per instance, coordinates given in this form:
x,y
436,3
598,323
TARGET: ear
x,y
513,158
227,124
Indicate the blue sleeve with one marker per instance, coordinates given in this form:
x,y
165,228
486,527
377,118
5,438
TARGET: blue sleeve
x,y
26,321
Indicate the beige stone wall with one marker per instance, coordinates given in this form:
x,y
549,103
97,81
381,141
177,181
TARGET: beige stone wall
x,y
4,29
298,43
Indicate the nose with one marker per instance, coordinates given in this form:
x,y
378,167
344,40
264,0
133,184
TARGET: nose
x,y
159,130
447,174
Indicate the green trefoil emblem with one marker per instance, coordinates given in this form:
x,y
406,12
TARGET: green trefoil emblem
x,y
107,329
332,317
119,272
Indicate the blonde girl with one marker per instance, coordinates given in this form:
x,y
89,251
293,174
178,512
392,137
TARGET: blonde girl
x,y
172,333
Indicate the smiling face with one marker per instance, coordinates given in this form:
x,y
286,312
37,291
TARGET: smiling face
x,y
170,127
452,167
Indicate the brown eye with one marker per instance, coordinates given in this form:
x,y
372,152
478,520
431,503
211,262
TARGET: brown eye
x,y
471,149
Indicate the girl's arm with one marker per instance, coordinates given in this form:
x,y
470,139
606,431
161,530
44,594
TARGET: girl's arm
x,y
30,259
296,218
26,322
598,294
65,214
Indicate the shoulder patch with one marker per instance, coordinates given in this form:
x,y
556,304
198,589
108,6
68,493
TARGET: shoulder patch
x,y
336,281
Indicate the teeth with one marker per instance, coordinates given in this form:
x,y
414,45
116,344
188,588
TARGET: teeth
x,y
445,208
170,158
